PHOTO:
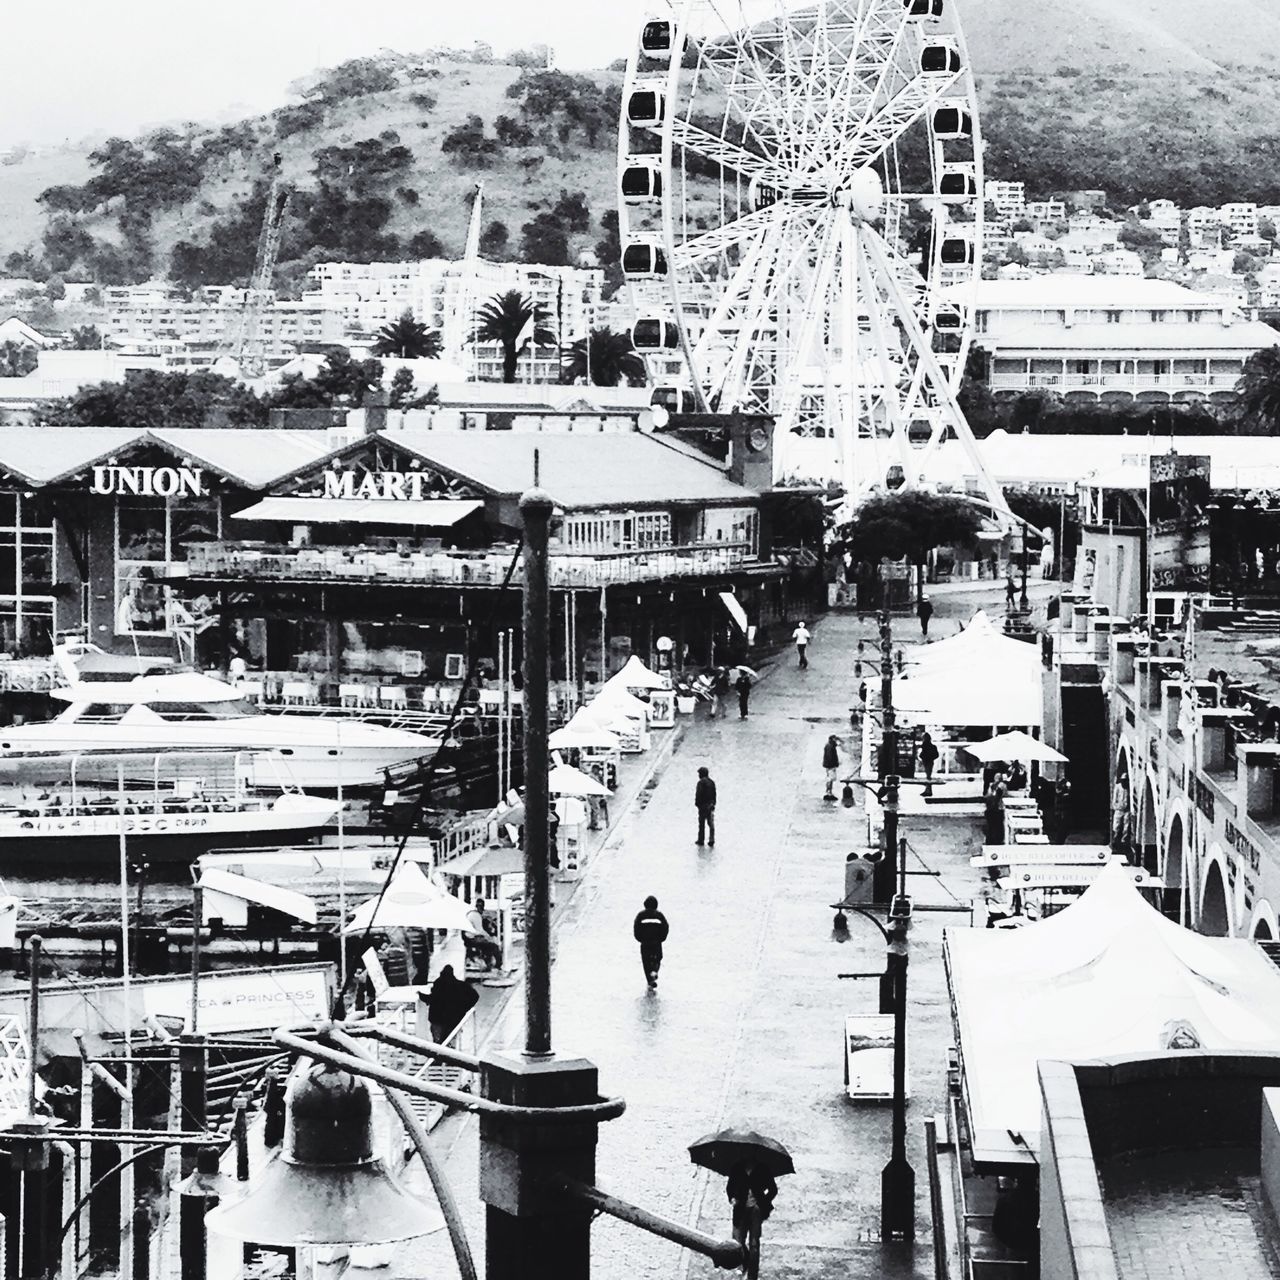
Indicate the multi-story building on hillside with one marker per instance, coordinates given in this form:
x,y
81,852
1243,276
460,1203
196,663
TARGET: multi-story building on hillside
x,y
1008,197
157,315
1113,338
445,295
1241,219
1045,210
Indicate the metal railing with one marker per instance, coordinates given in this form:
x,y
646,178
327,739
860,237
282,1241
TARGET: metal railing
x,y
1115,381
461,568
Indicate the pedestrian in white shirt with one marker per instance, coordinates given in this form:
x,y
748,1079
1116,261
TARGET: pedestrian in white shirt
x,y
801,636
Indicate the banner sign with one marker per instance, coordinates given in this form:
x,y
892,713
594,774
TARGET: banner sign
x,y
246,1001
1178,496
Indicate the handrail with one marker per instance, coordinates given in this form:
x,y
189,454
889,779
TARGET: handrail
x,y
602,1109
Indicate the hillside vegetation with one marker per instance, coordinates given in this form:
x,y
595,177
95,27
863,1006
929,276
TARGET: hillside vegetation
x,y
384,154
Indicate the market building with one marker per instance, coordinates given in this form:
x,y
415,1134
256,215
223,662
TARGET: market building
x,y
320,558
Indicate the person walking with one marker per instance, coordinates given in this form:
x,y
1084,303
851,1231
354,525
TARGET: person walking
x,y
1009,590
928,758
704,799
994,802
743,685
450,1001
719,691
650,930
801,636
831,763
924,611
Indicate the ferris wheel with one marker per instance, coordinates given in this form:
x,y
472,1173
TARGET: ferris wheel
x,y
800,210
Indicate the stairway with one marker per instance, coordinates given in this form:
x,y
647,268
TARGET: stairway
x,y
1256,622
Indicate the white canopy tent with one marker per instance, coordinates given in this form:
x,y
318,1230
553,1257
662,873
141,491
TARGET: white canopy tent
x,y
583,736
1107,976
565,780
410,902
988,694
635,675
979,642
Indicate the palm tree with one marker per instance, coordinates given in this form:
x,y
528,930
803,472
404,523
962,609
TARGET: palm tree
x,y
512,321
613,360
1257,392
407,339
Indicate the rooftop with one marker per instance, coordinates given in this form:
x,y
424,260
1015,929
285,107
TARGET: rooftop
x,y
579,471
1143,341
1061,290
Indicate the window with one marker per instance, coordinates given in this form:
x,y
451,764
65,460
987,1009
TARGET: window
x,y
1113,317
26,574
152,534
1159,317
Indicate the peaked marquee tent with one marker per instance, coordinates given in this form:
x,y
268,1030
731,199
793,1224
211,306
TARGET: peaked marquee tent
x,y
1107,976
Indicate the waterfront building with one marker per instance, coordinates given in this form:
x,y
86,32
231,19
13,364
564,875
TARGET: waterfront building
x,y
1113,338
378,557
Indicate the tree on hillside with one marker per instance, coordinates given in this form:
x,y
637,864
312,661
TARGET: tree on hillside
x,y
512,321
155,399
355,78
910,524
424,244
401,390
348,379
494,240
572,211
613,360
408,339
1257,393
468,145
543,240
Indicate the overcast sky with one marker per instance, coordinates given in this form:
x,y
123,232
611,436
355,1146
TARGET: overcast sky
x,y
79,67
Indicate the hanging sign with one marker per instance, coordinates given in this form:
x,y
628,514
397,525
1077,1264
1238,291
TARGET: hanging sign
x,y
149,482
382,486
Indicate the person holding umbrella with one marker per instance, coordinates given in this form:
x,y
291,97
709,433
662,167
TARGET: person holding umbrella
x,y
752,1163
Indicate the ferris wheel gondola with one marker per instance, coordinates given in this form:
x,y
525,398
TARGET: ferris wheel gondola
x,y
800,209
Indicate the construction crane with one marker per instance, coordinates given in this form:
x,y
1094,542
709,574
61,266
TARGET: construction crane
x,y
249,353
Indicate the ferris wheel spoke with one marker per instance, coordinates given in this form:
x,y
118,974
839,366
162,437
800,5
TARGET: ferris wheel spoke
x,y
727,154
734,290
894,119
937,381
711,243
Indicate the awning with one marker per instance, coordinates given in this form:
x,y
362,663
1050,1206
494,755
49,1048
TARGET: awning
x,y
736,611
429,512
496,860
297,905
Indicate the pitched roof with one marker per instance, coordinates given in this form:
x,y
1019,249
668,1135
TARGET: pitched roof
x,y
44,454
579,471
1143,341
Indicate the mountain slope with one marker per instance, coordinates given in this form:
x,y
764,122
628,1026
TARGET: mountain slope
x,y
1143,35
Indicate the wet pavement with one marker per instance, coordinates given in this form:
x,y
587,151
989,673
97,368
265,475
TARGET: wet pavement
x,y
746,1026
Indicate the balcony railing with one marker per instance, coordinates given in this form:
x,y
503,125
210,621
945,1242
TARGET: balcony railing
x,y
1115,381
266,562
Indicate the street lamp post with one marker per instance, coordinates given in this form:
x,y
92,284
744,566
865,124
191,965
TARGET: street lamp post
x,y
1022,602
885,873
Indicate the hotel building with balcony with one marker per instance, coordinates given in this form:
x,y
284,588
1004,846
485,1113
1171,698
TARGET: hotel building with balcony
x,y
1113,338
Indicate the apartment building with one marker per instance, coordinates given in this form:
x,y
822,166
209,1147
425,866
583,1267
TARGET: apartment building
x,y
156,315
1240,219
1008,197
1113,338
445,296
1045,210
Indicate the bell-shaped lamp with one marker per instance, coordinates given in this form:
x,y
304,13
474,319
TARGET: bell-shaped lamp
x,y
326,1187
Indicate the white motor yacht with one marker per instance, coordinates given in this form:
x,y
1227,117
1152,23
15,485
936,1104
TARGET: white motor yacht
x,y
171,709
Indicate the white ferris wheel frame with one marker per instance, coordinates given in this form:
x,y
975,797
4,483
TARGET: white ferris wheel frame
x,y
887,397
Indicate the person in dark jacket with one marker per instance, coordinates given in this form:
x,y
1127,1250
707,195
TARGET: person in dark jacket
x,y
449,1002
924,611
831,763
650,931
719,692
928,758
704,799
743,685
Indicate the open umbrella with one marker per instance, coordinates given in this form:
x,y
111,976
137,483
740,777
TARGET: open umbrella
x,y
1015,746
751,673
565,780
720,1152
410,902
